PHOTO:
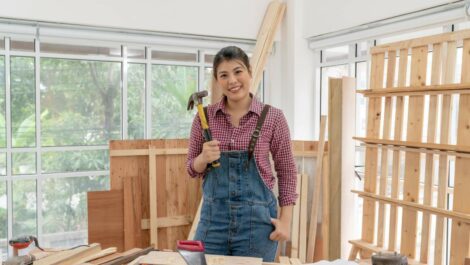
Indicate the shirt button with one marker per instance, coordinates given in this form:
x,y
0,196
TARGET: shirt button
x,y
233,193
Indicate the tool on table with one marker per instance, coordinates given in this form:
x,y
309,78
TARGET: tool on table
x,y
196,98
192,251
388,258
23,242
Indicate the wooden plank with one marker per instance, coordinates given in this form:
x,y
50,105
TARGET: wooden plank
x,y
464,218
425,90
105,218
456,150
295,261
448,75
114,256
365,245
460,238
174,258
431,138
171,221
132,212
284,260
69,257
423,41
274,16
373,129
303,218
387,133
335,141
412,160
325,224
192,232
129,257
102,253
153,199
316,195
398,135
295,222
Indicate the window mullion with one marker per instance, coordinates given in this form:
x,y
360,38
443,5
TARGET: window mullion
x,y
148,93
37,66
9,141
124,101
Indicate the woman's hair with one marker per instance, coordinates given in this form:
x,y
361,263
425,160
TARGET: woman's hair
x,y
230,53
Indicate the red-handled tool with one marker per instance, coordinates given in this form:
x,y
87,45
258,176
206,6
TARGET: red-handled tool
x,y
23,242
192,251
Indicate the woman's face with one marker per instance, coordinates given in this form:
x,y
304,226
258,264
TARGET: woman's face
x,y
234,79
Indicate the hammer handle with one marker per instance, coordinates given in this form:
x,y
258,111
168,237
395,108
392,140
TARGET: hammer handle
x,y
205,129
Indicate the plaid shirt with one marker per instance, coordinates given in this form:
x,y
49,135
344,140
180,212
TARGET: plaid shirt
x,y
274,138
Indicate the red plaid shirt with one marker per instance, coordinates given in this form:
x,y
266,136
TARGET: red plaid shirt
x,y
274,138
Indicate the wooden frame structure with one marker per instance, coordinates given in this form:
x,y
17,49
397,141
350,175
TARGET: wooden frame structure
x,y
398,114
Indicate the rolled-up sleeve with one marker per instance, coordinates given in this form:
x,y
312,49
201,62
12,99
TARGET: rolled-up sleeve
x,y
284,163
196,141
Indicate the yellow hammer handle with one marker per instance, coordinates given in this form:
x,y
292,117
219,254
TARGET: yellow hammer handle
x,y
202,116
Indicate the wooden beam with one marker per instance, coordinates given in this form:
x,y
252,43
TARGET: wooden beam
x,y
153,198
316,194
144,152
416,206
171,221
424,90
423,41
454,149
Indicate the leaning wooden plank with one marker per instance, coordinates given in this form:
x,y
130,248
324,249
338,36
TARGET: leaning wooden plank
x,y
195,222
460,239
128,258
266,41
398,135
373,129
431,138
105,218
69,257
448,75
295,222
303,218
316,194
325,223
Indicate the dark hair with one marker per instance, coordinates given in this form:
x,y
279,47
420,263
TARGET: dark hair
x,y
230,53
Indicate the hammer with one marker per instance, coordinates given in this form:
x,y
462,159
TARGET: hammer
x,y
196,98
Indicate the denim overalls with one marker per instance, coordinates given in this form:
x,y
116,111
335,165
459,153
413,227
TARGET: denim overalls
x,y
237,209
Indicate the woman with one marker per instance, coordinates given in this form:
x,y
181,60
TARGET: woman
x,y
239,212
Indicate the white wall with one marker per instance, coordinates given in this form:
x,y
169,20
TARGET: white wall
x,y
332,15
226,18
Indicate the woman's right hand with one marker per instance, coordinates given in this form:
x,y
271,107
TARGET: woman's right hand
x,y
210,152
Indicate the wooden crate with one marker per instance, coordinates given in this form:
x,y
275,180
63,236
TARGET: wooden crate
x,y
426,141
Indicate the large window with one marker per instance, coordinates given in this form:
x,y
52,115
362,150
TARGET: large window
x,y
62,100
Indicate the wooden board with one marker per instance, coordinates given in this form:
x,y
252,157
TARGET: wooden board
x,y
174,258
412,160
105,218
460,238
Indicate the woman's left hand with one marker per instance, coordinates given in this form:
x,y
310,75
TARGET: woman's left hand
x,y
281,231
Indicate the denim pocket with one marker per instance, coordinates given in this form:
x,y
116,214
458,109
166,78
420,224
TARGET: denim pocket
x,y
261,228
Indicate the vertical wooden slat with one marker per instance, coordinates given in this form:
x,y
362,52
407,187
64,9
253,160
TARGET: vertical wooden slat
x,y
295,222
412,159
316,194
387,132
402,68
448,77
153,197
460,231
431,138
132,212
303,219
373,130
325,226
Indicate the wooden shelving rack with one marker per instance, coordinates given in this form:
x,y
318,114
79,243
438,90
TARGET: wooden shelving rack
x,y
410,124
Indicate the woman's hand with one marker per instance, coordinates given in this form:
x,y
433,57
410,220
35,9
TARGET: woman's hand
x,y
281,231
210,152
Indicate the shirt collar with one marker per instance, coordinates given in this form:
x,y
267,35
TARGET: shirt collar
x,y
256,106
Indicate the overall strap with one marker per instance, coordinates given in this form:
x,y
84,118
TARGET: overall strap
x,y
256,133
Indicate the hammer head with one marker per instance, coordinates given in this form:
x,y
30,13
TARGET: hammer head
x,y
196,98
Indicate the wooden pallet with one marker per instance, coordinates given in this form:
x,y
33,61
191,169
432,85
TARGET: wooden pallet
x,y
388,146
